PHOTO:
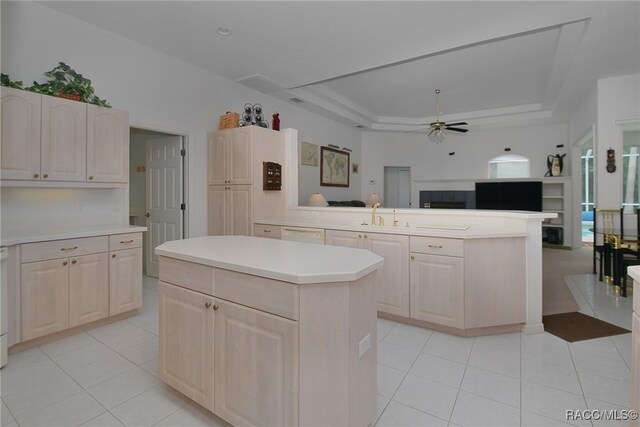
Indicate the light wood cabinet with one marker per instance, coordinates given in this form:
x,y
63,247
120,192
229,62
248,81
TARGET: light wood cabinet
x,y
45,297
392,284
125,280
46,138
88,288
230,210
230,157
265,230
21,111
64,140
235,176
186,343
437,289
256,361
107,145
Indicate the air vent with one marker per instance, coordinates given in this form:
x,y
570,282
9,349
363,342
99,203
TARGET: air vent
x,y
260,83
360,126
296,100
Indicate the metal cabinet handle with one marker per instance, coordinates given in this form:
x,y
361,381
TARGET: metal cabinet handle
x,y
69,249
413,257
436,246
35,175
359,236
126,241
46,175
113,255
366,237
74,261
207,304
267,231
91,178
65,263
215,307
147,215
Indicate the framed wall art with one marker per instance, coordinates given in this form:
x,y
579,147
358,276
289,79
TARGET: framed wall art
x,y
308,154
334,167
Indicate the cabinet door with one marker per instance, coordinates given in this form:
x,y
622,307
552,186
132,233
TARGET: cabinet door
x,y
239,147
239,210
186,342
347,239
107,145
392,285
436,286
20,134
64,140
45,291
125,280
88,288
256,367
217,167
217,210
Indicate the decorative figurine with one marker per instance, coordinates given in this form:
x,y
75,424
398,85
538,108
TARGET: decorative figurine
x,y
611,160
554,165
275,121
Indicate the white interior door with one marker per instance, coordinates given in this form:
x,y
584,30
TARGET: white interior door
x,y
164,196
397,187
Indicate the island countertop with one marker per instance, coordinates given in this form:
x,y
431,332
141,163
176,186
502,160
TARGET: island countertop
x,y
294,262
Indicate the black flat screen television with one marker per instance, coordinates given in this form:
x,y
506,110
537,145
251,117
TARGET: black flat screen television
x,y
509,196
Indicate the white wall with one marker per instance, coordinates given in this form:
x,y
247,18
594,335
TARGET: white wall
x,y
618,98
430,161
159,91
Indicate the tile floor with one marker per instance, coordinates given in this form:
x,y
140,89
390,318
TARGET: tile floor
x,y
107,376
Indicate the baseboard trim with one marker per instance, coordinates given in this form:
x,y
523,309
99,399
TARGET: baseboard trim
x,y
472,332
533,329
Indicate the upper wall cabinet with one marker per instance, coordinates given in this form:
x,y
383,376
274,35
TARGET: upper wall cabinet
x,y
46,138
230,156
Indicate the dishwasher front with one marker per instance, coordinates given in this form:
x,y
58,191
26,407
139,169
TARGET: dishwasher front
x,y
303,234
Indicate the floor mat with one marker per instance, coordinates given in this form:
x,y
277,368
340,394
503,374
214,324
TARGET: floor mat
x,y
578,326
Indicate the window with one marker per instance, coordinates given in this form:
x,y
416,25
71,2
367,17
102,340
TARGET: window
x,y
509,166
630,171
587,160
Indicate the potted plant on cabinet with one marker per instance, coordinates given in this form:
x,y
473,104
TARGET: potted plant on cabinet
x,y
65,82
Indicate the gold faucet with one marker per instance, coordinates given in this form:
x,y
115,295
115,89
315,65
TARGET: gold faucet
x,y
373,213
380,220
395,221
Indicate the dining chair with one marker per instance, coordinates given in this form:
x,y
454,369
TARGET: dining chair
x,y
628,254
603,225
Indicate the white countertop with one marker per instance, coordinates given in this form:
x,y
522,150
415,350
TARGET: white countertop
x,y
293,262
634,272
10,237
455,232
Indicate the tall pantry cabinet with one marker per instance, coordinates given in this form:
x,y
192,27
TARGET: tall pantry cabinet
x,y
235,179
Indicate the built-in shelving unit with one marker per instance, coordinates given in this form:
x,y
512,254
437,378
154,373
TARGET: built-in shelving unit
x,y
556,198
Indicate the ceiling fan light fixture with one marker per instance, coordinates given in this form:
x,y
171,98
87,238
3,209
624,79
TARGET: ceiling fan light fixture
x,y
437,136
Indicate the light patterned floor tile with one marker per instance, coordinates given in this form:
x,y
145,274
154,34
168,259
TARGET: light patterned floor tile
x,y
381,404
529,419
407,338
192,416
471,410
389,380
494,386
384,327
128,339
560,376
151,367
68,344
83,356
69,412
150,407
550,402
449,347
111,330
606,390
505,362
606,406
143,352
396,357
438,369
100,370
399,415
5,415
427,396
104,420
123,387
24,359
590,363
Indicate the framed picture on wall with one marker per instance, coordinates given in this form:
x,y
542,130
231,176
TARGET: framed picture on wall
x,y
308,154
334,167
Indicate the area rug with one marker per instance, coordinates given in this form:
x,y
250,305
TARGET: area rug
x,y
578,326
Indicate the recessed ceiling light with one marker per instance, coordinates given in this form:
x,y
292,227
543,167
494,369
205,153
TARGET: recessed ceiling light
x,y
223,31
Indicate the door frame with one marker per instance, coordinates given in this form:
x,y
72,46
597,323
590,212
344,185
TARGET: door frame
x,y
186,137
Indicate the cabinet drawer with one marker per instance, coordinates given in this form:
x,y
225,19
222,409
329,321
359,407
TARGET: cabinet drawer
x,y
197,277
63,248
125,241
636,298
263,230
272,296
436,246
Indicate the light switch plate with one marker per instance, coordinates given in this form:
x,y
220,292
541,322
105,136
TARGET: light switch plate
x,y
364,345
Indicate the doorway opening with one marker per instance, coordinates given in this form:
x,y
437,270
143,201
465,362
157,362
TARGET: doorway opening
x,y
587,160
157,188
397,187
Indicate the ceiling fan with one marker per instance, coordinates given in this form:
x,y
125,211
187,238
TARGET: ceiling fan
x,y
438,128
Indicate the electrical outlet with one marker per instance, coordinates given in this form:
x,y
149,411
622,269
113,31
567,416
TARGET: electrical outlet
x,y
364,345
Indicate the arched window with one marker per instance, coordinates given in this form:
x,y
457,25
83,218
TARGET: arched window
x,y
509,166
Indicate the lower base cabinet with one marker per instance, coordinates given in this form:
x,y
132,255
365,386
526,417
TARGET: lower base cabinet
x,y
88,288
252,356
125,280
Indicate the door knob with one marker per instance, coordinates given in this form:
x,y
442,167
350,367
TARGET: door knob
x,y
147,214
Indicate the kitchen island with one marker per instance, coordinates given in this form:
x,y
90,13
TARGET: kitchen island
x,y
270,332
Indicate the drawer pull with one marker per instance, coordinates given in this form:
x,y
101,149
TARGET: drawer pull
x,y
435,246
113,255
69,249
74,261
46,175
266,231
413,257
126,241
35,175
215,307
65,263
91,178
207,304
359,236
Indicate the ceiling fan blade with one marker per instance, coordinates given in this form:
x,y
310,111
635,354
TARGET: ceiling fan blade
x,y
457,124
458,130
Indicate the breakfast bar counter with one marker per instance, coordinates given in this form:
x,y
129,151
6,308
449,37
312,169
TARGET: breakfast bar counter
x,y
270,332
